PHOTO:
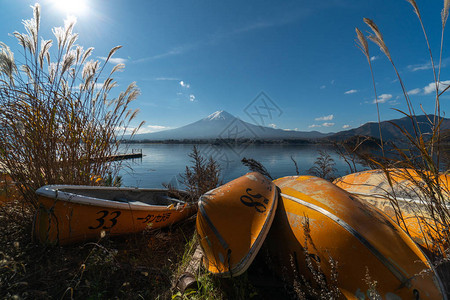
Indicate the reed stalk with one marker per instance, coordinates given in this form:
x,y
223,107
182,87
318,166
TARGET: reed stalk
x,y
419,162
59,119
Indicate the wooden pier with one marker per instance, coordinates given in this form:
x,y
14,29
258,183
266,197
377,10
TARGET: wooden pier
x,y
135,153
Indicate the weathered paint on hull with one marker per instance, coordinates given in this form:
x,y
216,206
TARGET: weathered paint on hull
x,y
65,222
233,221
372,187
355,235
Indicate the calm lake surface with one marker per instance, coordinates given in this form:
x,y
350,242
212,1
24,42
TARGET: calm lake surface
x,y
162,163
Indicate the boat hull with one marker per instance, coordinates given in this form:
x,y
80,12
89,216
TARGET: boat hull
x,y
320,226
373,187
65,218
233,221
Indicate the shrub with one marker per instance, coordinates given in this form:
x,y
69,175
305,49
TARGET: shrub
x,y
323,166
203,175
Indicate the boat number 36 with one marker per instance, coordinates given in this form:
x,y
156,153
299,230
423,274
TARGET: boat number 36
x,y
109,218
255,200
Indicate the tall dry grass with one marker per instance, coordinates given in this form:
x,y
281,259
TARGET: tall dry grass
x,y
59,122
419,162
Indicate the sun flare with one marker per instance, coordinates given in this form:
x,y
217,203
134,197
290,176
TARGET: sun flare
x,y
76,7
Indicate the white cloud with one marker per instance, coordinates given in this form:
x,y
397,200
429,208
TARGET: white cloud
x,y
431,87
419,67
147,129
185,84
322,87
414,91
314,126
346,126
166,78
99,85
382,98
273,125
327,124
394,102
191,98
114,60
372,58
325,118
154,128
351,92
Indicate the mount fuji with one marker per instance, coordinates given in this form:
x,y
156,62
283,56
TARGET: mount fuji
x,y
223,125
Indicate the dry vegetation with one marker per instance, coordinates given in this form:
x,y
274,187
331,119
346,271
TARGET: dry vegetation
x,y
58,120
58,123
420,162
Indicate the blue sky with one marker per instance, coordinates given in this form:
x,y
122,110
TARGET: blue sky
x,y
191,58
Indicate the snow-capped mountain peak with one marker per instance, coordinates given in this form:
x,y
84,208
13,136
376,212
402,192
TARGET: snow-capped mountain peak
x,y
219,115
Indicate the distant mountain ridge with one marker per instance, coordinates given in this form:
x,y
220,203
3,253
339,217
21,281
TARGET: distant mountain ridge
x,y
223,125
389,131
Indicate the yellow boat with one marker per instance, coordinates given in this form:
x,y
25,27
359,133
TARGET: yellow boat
x,y
233,221
373,187
69,214
328,222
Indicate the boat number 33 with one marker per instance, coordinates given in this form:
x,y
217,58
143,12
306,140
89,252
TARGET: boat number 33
x,y
107,219
257,201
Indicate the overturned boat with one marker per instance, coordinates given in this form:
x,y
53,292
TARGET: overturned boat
x,y
233,221
69,214
323,235
404,197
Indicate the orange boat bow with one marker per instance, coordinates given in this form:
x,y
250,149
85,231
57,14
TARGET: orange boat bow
x,y
233,221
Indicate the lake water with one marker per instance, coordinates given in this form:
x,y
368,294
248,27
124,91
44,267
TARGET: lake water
x,y
162,163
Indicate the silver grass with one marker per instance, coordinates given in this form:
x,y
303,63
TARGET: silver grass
x,y
380,44
7,63
32,34
117,67
37,19
52,72
362,44
58,32
27,71
89,68
86,54
377,38
134,114
444,12
68,61
45,47
111,53
69,23
79,51
21,38
72,40
416,9
374,28
48,58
